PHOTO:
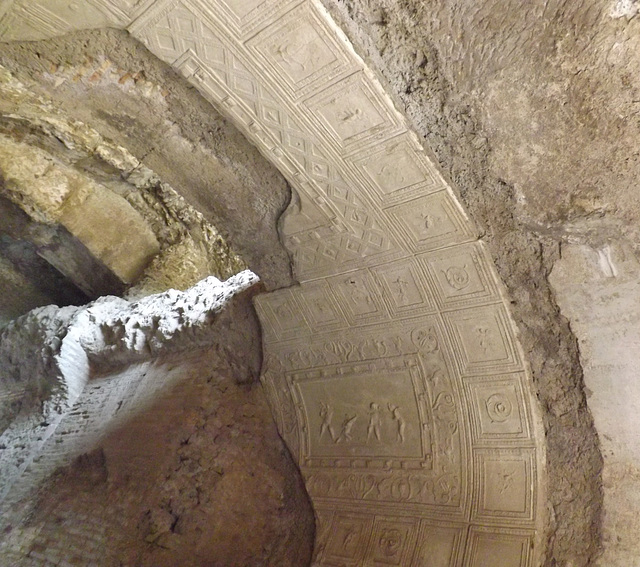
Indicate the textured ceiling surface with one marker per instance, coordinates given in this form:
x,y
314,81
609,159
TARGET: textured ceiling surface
x,y
393,369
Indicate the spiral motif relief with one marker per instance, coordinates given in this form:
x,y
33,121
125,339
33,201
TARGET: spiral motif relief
x,y
458,278
499,407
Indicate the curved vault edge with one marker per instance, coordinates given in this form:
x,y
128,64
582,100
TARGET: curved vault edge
x,y
394,369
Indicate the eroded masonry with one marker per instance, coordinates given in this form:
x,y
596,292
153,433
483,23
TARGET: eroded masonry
x,y
408,390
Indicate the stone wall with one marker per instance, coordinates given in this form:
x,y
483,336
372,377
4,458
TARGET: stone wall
x,y
109,81
164,454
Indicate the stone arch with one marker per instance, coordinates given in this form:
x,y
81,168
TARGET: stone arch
x,y
394,368
398,307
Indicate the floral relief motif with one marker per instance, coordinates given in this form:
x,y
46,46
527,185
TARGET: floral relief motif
x,y
399,487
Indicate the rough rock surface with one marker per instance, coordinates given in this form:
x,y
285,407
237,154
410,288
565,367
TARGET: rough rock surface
x,y
598,289
20,293
175,460
532,109
190,472
51,192
533,113
107,79
48,353
91,210
48,356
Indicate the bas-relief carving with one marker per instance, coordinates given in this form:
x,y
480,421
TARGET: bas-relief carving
x,y
499,411
439,545
373,438
30,20
300,52
303,214
352,540
460,276
392,541
505,548
35,19
359,297
246,17
374,428
503,486
485,340
122,12
350,417
403,288
397,170
393,370
213,65
352,114
320,306
347,540
389,540
431,222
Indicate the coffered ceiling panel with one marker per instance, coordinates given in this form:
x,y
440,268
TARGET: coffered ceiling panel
x,y
393,369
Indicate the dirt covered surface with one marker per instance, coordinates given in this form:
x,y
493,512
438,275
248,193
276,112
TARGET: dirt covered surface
x,y
110,81
533,112
189,471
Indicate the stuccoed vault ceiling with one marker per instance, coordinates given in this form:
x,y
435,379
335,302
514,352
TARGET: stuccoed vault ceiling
x,y
393,369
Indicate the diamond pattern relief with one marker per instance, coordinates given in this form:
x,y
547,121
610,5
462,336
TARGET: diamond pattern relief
x,y
170,29
179,36
397,170
395,290
245,17
355,236
304,214
299,52
352,114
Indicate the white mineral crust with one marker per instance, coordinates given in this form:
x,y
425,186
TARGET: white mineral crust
x,y
48,350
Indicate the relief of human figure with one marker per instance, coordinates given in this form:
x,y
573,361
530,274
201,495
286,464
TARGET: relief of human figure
x,y
326,413
401,289
400,422
375,421
347,426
